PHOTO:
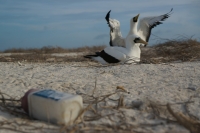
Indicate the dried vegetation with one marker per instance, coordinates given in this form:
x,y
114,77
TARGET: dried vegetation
x,y
170,51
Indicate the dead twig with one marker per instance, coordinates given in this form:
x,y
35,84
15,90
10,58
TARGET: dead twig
x,y
192,125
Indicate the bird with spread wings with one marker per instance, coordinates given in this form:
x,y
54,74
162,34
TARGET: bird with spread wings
x,y
141,28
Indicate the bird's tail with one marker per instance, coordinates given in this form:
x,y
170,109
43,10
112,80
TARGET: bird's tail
x,y
90,56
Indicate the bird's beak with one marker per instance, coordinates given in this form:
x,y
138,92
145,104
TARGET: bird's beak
x,y
136,17
142,41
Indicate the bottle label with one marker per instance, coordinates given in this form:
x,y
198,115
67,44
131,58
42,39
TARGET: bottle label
x,y
51,94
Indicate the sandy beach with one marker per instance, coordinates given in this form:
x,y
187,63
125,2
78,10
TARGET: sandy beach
x,y
174,83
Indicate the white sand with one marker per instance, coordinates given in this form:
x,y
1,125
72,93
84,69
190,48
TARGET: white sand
x,y
157,82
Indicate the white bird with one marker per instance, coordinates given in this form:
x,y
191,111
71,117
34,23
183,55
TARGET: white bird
x,y
144,26
115,54
142,30
127,50
116,38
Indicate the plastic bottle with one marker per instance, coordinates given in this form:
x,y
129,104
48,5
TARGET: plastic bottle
x,y
52,106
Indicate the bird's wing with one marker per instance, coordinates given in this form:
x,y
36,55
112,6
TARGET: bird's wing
x,y
116,38
107,19
116,52
147,23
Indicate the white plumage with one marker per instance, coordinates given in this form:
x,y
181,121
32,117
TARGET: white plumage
x,y
127,50
115,54
116,38
144,26
141,29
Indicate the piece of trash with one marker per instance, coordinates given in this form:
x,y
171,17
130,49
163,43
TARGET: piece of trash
x,y
52,106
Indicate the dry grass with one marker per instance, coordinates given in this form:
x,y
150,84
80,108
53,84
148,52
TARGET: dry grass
x,y
170,51
44,54
50,50
185,50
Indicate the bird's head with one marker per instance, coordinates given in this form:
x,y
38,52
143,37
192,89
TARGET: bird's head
x,y
139,40
135,40
135,19
134,23
115,23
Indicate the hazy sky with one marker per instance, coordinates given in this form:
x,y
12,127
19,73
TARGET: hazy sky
x,y
76,23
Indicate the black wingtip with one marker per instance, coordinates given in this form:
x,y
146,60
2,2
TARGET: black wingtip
x,y
107,19
167,15
170,12
108,16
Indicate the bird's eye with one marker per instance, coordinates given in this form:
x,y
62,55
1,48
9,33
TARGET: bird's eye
x,y
136,39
